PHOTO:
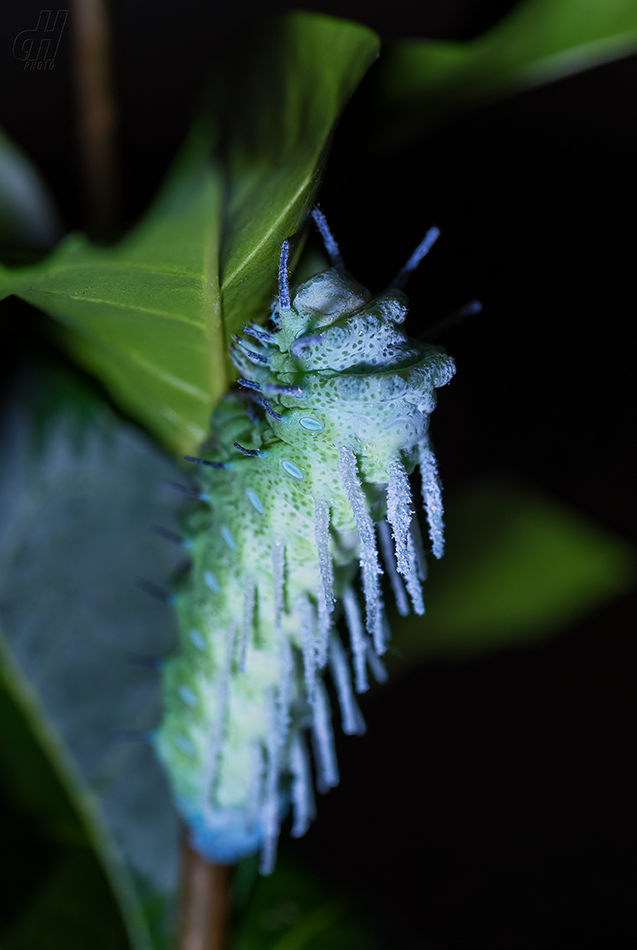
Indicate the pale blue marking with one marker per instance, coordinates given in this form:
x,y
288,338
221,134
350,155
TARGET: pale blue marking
x,y
185,745
187,695
197,639
210,581
313,425
187,544
227,537
291,469
254,500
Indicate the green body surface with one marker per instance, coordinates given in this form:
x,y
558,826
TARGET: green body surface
x,y
334,409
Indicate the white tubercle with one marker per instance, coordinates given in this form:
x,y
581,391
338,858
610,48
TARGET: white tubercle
x,y
303,808
416,537
399,512
432,498
325,594
351,716
278,574
370,568
389,560
249,598
324,739
357,638
308,645
413,580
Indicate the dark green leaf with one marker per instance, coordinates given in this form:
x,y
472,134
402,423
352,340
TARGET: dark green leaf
x,y
423,81
517,566
79,495
145,316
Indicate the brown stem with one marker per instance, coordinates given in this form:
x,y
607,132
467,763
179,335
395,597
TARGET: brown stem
x,y
203,902
96,113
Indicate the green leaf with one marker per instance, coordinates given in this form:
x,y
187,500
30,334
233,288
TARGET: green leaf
x,y
28,219
517,566
293,909
303,70
79,495
145,316
422,82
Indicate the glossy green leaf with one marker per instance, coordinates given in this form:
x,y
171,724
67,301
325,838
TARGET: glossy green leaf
x,y
79,495
303,70
147,316
28,219
144,316
293,909
517,566
422,82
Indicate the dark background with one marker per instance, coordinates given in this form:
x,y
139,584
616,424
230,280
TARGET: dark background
x,y
491,804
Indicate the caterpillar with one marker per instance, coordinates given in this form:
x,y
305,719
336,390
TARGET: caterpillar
x,y
303,483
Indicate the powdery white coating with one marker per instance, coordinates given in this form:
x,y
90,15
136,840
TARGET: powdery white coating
x,y
421,561
432,498
278,579
326,591
399,513
389,560
351,716
357,638
249,600
370,568
413,580
298,484
303,808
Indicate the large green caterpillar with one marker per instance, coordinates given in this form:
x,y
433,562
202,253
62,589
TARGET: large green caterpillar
x,y
291,498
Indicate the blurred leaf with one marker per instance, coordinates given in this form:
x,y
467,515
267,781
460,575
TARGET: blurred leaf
x,y
47,847
424,81
79,494
28,219
292,909
517,566
145,316
72,911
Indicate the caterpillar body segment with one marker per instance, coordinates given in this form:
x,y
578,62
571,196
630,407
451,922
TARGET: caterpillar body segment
x,y
277,545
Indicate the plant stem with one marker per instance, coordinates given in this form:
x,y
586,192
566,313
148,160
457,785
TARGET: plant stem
x,y
96,113
203,902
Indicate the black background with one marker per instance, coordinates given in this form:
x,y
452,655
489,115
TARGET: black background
x,y
491,803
